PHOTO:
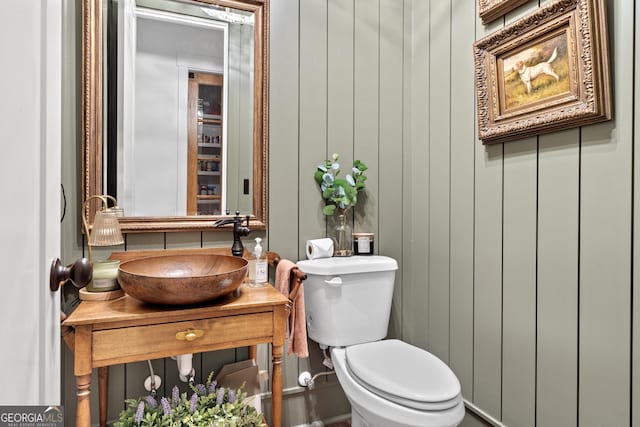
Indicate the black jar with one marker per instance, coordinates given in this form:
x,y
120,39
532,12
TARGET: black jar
x,y
363,243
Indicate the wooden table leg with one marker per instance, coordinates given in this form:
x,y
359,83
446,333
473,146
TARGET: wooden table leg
x,y
83,414
82,371
276,386
103,394
253,352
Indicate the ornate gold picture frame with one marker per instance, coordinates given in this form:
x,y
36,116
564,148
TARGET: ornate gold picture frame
x,y
545,72
490,10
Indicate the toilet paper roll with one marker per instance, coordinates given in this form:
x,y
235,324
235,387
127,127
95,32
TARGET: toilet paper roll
x,y
319,248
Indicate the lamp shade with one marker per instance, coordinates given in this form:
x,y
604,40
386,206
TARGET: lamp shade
x,y
106,229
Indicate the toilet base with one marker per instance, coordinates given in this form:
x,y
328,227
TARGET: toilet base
x,y
370,410
357,420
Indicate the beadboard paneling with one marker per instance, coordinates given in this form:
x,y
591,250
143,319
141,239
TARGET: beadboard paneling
x,y
462,201
605,244
283,228
415,307
439,178
390,144
519,282
557,269
487,290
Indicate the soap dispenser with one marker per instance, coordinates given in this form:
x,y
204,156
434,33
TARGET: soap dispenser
x,y
258,266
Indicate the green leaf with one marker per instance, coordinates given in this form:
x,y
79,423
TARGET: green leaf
x,y
339,192
329,210
326,194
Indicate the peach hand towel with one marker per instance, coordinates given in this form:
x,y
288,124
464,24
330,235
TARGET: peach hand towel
x,y
285,280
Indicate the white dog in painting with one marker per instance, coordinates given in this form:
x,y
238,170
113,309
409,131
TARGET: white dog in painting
x,y
527,74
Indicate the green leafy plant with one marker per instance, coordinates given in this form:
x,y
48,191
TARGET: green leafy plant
x,y
207,406
339,193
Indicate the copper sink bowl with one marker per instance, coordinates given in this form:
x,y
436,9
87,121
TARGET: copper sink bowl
x,y
181,279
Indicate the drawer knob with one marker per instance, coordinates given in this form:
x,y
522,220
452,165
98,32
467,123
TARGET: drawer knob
x,y
189,334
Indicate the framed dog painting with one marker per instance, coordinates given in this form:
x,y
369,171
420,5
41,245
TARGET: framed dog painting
x,y
492,9
545,72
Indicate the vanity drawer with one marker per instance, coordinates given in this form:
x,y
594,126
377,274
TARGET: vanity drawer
x,y
121,345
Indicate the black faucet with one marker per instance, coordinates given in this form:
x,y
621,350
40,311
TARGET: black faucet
x,y
238,230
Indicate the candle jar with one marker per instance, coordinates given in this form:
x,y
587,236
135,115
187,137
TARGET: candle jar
x,y
363,243
105,276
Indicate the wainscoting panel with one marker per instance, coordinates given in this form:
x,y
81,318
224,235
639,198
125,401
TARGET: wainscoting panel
x,y
340,78
519,274
312,122
366,108
605,243
390,146
284,165
557,270
463,149
519,283
415,308
439,139
487,292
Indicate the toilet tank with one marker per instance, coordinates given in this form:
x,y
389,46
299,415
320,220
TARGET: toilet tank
x,y
348,299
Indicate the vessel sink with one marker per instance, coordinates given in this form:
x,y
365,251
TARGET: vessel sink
x,y
181,279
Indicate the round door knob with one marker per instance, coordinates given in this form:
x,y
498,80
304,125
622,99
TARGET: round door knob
x,y
80,274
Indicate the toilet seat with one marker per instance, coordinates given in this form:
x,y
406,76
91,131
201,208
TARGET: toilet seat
x,y
404,374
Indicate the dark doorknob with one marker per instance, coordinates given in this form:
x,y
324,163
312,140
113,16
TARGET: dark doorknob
x,y
80,273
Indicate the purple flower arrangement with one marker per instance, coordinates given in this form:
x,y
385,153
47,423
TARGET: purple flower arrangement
x,y
139,412
151,401
208,405
175,395
193,403
166,407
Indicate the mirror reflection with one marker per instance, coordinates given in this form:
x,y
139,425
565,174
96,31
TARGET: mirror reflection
x,y
179,108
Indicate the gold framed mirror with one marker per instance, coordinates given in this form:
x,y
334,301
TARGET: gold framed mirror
x,y
207,147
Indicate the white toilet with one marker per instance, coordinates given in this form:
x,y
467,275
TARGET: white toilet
x,y
389,383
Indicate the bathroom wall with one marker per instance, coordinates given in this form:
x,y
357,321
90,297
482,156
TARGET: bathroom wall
x,y
521,254
516,260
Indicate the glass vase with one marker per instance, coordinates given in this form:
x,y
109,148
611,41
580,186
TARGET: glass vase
x,y
342,237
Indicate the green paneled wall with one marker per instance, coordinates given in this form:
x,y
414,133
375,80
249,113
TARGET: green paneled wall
x,y
516,259
529,297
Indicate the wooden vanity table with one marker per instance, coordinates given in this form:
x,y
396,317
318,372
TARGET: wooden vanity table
x,y
126,330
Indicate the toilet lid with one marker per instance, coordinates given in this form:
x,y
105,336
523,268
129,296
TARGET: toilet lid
x,y
404,374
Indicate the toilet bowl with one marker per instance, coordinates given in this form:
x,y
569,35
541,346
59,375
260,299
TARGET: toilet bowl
x,y
372,407
389,383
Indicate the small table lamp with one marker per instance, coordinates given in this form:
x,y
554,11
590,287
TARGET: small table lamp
x,y
104,232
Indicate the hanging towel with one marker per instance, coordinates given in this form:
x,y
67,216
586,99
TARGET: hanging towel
x,y
285,281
